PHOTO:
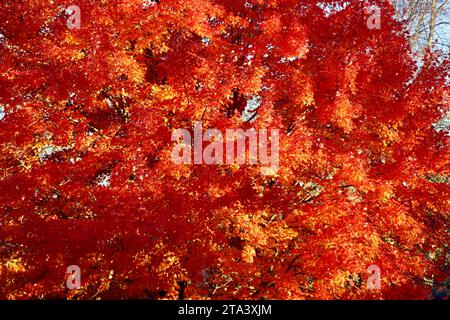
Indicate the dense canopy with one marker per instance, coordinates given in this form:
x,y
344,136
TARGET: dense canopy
x,y
87,179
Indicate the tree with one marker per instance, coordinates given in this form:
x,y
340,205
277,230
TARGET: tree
x,y
87,177
426,21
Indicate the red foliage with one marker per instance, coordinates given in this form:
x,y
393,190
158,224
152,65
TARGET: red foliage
x,y
359,160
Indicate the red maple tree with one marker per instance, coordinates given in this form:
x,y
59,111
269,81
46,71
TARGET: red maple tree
x,y
86,171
